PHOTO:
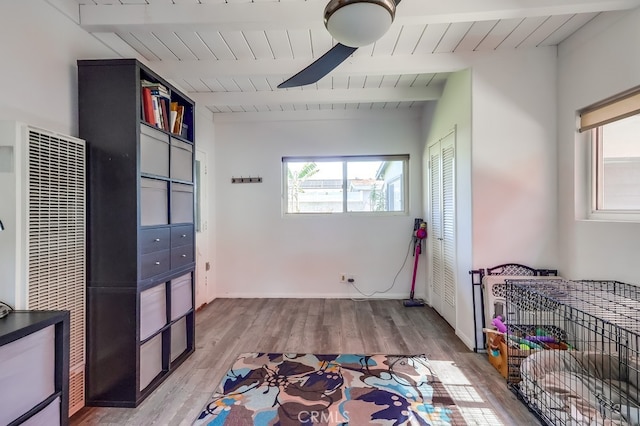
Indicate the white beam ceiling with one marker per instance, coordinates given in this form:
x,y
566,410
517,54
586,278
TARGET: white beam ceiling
x,y
404,94
308,14
234,52
365,65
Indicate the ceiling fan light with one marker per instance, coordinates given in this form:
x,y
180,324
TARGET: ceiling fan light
x,y
357,23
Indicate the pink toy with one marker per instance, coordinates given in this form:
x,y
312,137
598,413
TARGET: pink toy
x,y
497,323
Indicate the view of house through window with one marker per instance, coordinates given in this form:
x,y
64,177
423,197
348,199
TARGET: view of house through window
x,y
345,184
617,165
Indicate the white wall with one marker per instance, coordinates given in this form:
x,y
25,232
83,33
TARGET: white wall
x,y
504,111
514,158
39,50
599,61
38,80
205,240
514,162
260,253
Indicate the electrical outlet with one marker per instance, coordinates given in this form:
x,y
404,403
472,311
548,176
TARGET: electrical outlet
x,y
342,277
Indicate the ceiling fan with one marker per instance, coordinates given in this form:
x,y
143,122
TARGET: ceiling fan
x,y
353,23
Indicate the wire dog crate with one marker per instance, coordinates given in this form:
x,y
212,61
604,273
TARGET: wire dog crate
x,y
488,290
595,380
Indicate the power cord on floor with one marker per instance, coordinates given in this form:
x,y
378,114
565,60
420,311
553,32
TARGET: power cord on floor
x,y
393,283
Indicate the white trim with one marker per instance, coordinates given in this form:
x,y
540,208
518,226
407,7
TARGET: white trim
x,y
271,116
343,214
470,343
351,294
614,216
593,214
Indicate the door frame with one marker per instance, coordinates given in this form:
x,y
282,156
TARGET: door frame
x,y
203,259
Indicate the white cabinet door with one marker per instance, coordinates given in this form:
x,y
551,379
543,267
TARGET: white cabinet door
x,y
442,216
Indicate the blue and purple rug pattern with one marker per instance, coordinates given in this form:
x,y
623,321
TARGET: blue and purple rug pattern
x,y
293,389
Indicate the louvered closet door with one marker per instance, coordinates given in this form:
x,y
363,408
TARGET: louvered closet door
x,y
435,220
448,227
442,216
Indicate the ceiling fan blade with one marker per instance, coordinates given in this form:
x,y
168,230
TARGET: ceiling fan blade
x,y
321,67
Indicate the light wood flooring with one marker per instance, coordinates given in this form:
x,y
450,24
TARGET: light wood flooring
x,y
227,327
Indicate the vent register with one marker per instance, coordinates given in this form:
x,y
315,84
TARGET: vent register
x,y
44,188
56,240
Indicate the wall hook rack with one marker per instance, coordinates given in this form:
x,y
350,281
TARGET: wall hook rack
x,y
246,180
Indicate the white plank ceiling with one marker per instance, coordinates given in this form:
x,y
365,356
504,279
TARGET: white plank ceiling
x,y
230,55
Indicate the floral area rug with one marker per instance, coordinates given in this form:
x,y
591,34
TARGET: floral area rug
x,y
294,389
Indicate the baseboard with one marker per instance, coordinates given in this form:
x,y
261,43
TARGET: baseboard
x,y
470,343
352,295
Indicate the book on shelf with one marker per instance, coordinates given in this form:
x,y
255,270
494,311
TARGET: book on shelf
x,y
156,111
147,106
162,89
164,113
155,104
163,106
177,128
173,116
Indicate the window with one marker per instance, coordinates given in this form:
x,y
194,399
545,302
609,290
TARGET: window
x,y
615,130
353,184
617,168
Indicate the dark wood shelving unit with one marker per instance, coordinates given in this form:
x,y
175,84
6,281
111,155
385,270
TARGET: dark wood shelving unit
x,y
141,237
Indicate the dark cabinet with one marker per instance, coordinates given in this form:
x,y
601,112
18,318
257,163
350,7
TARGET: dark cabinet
x,y
34,373
140,302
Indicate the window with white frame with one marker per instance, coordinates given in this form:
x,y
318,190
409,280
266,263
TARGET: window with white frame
x,y
615,171
345,184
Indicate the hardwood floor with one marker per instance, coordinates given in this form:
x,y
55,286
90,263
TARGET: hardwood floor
x,y
227,327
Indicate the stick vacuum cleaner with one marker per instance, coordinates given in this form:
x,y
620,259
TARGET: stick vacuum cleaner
x,y
420,233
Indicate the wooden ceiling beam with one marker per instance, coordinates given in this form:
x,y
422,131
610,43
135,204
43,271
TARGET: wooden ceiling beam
x,y
362,66
308,14
394,94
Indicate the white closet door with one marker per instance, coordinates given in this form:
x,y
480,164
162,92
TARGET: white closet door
x,y
449,228
435,220
442,216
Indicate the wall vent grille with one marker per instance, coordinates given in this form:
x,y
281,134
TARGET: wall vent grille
x,y
56,239
76,390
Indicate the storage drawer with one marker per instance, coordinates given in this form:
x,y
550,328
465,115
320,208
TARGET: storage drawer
x,y
181,256
181,160
155,263
153,310
27,373
181,296
150,360
178,338
48,416
154,239
154,202
181,203
154,152
182,236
